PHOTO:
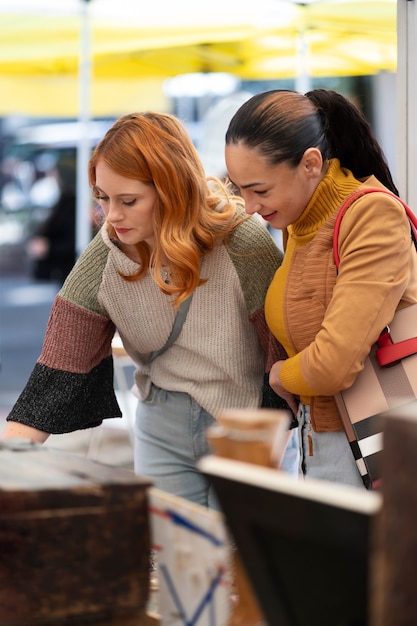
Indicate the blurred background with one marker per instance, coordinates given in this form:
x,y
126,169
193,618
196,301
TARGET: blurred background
x,y
68,69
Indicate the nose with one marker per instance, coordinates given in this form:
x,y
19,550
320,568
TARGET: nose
x,y
115,213
251,206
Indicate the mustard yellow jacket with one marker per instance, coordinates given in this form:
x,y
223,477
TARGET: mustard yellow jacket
x,y
327,320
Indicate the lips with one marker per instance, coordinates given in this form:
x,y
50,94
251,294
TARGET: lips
x,y
269,217
122,231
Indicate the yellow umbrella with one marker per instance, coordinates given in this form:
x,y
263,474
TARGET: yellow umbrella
x,y
335,38
134,48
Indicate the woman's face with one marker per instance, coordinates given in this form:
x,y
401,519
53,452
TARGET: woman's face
x,y
127,204
279,193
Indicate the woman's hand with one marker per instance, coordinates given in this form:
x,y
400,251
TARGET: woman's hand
x,y
275,382
21,431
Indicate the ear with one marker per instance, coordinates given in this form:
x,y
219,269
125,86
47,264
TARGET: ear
x,y
312,162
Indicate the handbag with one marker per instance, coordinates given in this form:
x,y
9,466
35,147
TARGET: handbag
x,y
389,377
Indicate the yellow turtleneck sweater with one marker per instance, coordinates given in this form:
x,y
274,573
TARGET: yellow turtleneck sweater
x,y
328,321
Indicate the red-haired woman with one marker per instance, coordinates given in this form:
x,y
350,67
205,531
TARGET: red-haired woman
x,y
169,234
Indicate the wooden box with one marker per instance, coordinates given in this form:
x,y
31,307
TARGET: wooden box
x,y
74,540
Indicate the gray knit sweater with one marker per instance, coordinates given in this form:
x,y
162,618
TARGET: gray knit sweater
x,y
220,357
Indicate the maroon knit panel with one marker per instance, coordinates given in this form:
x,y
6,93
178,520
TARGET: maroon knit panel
x,y
273,351
76,340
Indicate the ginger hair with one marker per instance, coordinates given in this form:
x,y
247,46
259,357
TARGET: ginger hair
x,y
193,213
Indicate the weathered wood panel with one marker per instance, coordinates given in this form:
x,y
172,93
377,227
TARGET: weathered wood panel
x,y
394,598
74,540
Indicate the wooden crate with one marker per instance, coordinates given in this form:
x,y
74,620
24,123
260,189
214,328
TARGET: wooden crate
x,y
74,540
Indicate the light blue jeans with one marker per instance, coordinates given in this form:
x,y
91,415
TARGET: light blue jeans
x,y
326,456
170,437
291,459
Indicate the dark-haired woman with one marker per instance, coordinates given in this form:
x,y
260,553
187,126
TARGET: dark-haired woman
x,y
295,158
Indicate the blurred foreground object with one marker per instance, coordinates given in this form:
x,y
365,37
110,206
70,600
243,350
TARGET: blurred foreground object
x,y
252,435
257,436
192,553
395,554
74,540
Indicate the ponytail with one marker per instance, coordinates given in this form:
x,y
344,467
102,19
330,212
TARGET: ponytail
x,y
350,137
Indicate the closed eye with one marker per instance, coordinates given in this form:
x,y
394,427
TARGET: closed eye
x,y
127,203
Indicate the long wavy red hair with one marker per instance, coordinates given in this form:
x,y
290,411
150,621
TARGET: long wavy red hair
x,y
193,213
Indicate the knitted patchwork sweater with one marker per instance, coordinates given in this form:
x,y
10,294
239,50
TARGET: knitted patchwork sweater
x,y
220,357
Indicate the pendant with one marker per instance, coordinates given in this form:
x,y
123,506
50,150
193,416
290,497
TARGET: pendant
x,y
166,275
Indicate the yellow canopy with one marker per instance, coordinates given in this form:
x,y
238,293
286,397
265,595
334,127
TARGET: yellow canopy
x,y
135,47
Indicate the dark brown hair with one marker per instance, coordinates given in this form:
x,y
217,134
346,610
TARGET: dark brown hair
x,y
281,125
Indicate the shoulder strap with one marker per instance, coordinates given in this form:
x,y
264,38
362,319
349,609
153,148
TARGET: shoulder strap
x,y
354,196
388,353
176,328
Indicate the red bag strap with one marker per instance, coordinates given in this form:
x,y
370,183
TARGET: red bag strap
x,y
390,353
354,196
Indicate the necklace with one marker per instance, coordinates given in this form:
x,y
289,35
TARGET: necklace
x,y
166,274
